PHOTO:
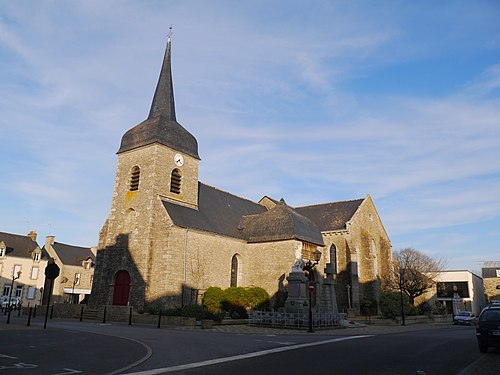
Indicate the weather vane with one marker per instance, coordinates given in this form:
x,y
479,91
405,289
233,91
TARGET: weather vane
x,y
169,31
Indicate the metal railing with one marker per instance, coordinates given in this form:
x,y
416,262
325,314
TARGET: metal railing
x,y
296,319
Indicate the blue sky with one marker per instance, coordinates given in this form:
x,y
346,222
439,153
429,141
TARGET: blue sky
x,y
312,101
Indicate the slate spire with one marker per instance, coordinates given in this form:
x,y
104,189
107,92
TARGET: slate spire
x,y
163,99
161,126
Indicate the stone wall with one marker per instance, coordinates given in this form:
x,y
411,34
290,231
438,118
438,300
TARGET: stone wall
x,y
492,288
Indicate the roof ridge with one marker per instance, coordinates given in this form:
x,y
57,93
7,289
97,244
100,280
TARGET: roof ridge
x,y
67,244
18,235
324,204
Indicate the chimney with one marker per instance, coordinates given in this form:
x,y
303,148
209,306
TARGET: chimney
x,y
49,240
32,235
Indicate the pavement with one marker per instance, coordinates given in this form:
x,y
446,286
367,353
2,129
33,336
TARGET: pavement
x,y
485,364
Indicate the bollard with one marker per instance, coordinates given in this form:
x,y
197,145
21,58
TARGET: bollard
x,y
34,312
130,317
81,313
51,311
29,317
104,316
19,311
159,319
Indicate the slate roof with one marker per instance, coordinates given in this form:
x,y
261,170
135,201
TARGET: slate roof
x,y
281,222
226,214
331,216
491,264
19,245
161,126
218,212
72,255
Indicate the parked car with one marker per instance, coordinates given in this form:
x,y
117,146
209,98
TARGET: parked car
x,y
14,301
488,328
464,317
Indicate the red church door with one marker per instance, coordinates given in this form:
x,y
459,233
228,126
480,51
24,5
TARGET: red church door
x,y
122,288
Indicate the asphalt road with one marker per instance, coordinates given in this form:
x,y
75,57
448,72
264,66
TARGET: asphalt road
x,y
70,347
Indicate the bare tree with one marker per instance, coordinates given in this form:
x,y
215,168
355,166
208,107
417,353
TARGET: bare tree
x,y
414,272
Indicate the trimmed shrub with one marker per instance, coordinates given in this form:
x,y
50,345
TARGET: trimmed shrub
x,y
212,299
235,301
368,307
390,304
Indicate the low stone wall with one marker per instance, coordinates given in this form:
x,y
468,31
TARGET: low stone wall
x,y
113,314
425,319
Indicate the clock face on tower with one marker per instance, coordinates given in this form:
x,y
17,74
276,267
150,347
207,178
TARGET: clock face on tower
x,y
179,160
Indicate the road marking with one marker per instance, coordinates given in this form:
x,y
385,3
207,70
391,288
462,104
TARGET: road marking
x,y
68,371
243,356
7,356
19,365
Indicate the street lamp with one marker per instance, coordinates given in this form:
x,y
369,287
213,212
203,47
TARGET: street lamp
x,y
14,277
309,266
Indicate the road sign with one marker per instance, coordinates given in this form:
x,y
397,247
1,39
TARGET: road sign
x,y
311,286
52,271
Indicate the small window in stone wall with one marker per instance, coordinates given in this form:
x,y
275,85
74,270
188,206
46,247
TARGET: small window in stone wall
x,y
134,178
175,181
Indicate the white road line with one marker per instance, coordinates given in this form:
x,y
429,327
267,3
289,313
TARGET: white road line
x,y
243,356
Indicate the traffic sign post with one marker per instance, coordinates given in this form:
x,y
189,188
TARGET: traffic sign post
x,y
51,272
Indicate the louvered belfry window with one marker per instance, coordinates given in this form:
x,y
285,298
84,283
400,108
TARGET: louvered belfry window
x,y
175,181
134,178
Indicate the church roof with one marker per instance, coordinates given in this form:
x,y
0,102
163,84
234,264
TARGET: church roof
x,y
281,222
331,216
229,215
218,212
71,255
18,245
161,126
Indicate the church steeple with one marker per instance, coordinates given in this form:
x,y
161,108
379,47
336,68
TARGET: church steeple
x,y
161,126
163,100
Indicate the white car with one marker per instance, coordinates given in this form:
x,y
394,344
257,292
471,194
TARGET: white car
x,y
14,301
464,317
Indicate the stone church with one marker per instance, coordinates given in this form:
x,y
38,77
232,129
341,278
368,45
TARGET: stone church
x,y
169,237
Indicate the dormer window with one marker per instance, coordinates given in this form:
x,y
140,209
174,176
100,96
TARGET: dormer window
x,y
2,252
87,264
134,178
175,181
36,257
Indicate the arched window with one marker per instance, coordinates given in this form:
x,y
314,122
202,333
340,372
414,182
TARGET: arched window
x,y
333,258
134,178
234,271
175,181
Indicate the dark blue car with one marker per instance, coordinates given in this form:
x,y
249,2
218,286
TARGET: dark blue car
x,y
488,328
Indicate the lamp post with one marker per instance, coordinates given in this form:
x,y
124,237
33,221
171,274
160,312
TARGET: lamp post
x,y
14,277
401,292
309,266
348,295
73,291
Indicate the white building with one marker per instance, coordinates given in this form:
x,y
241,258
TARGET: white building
x,y
460,291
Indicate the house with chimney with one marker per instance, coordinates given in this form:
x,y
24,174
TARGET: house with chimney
x,y
22,267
